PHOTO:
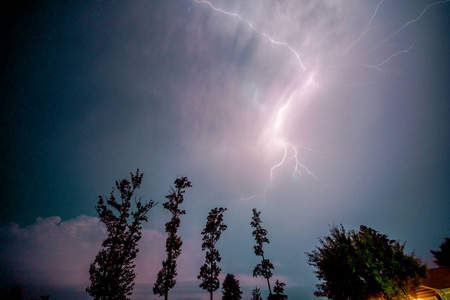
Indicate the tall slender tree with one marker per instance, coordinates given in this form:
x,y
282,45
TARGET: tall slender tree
x,y
112,272
265,267
166,276
209,272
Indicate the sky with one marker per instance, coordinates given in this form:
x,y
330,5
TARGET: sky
x,y
315,112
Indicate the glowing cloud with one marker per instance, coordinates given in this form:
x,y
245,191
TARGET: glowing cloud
x,y
322,57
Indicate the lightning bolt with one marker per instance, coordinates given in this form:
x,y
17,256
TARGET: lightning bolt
x,y
297,170
280,163
290,151
298,167
278,120
279,114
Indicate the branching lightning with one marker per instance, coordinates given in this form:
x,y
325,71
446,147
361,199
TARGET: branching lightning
x,y
289,150
378,66
279,114
412,21
365,30
273,41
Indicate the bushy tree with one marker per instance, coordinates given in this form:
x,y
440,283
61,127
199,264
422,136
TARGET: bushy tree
x,y
363,264
442,256
209,272
265,267
166,276
112,272
231,289
256,294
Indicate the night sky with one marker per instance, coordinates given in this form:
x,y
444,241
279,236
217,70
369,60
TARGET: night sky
x,y
315,112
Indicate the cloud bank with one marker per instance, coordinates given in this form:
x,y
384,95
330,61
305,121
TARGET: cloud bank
x,y
52,254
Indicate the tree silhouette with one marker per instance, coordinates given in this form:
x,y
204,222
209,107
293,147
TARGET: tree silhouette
x,y
112,272
231,289
265,267
442,257
209,272
278,290
363,264
166,276
256,294
15,293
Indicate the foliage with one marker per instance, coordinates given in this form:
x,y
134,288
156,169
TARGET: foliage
x,y
256,294
265,267
209,272
363,264
231,289
442,257
278,290
112,272
166,276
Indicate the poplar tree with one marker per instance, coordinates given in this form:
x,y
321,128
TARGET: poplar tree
x,y
265,267
209,272
166,276
112,272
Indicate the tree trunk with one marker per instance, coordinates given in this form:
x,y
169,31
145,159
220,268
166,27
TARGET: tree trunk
x,y
268,283
212,274
169,264
404,291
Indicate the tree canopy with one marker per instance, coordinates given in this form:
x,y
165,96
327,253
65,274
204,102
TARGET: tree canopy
x,y
363,264
112,272
442,256
231,289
